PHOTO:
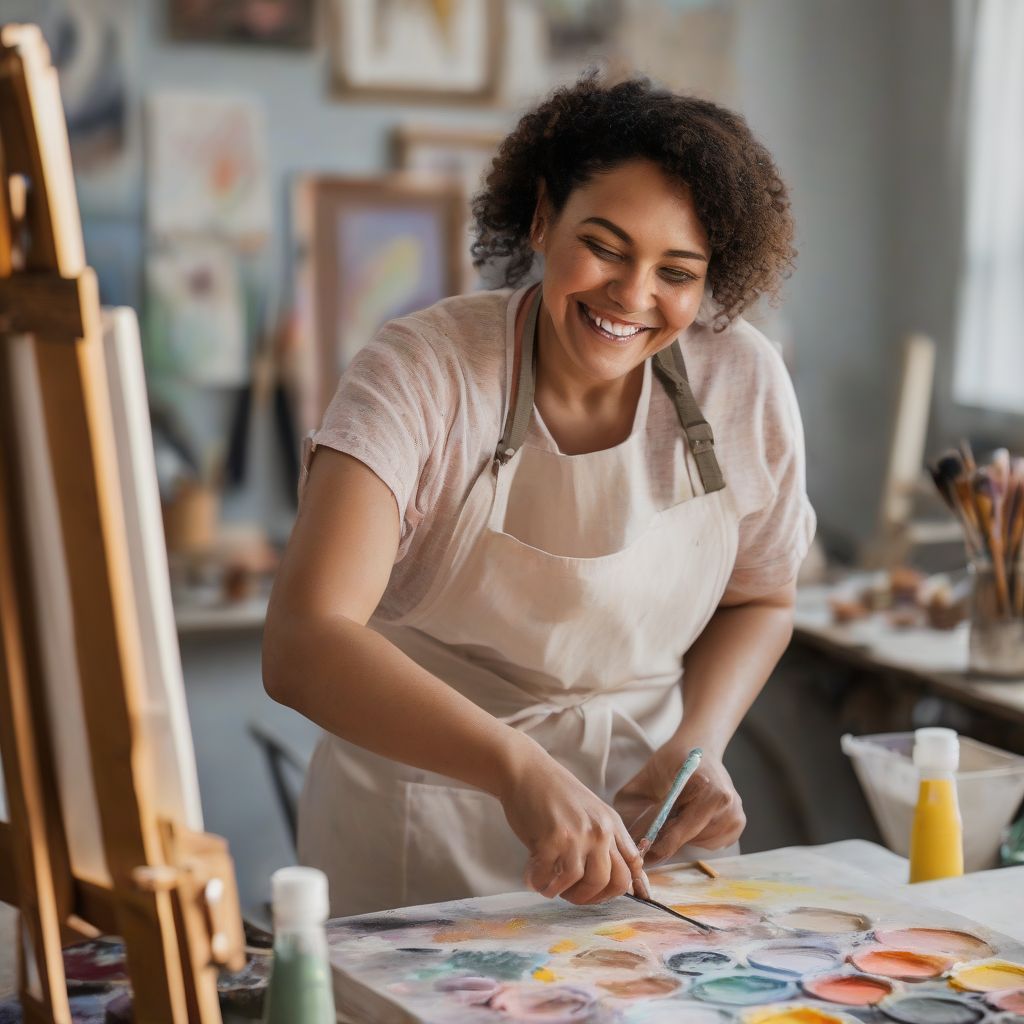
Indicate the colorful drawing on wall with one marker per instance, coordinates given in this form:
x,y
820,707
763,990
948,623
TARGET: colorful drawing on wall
x,y
784,952
94,45
195,315
464,156
418,49
207,167
266,22
375,249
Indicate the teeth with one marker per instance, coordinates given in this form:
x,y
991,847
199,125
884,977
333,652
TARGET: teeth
x,y
619,330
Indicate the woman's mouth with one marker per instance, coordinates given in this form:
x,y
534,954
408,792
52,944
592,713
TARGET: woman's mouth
x,y
614,331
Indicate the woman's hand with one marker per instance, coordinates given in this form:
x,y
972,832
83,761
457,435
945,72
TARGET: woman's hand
x,y
708,813
579,847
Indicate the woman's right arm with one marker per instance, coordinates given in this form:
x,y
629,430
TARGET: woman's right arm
x,y
320,658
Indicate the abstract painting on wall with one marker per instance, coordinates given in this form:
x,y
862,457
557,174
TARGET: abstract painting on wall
x,y
784,947
372,250
417,49
265,22
207,167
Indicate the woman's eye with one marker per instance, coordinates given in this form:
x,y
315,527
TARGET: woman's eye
x,y
677,276
600,250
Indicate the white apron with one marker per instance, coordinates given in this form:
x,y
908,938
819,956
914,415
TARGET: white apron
x,y
563,607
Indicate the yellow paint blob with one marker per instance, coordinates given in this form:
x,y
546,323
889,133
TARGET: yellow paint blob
x,y
988,977
618,932
467,931
565,946
791,1015
544,974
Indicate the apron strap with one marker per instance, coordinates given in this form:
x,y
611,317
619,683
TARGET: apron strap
x,y
669,366
521,399
671,369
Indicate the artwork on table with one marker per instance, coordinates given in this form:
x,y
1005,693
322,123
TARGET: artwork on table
x,y
577,27
464,155
195,314
373,249
265,22
207,167
417,49
94,44
787,947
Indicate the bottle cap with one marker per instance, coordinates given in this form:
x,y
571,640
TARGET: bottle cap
x,y
937,749
299,897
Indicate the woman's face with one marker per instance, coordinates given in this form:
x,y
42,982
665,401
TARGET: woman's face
x,y
624,269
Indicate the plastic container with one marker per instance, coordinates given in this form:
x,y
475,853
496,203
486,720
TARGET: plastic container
x,y
989,783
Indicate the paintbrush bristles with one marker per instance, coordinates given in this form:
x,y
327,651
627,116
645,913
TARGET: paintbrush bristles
x,y
989,502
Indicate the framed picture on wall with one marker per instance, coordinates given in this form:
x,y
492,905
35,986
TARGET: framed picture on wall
x,y
412,50
370,250
262,22
463,155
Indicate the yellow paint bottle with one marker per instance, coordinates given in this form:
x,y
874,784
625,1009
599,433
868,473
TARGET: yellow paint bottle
x,y
936,838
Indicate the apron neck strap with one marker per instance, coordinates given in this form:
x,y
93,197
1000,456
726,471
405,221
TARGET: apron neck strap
x,y
520,405
671,370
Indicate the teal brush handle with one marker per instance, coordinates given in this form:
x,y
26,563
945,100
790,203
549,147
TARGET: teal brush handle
x,y
682,777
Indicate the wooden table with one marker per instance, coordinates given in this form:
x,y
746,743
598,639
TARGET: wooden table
x,y
933,659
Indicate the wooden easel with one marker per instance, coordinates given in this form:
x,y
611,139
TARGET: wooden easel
x,y
171,895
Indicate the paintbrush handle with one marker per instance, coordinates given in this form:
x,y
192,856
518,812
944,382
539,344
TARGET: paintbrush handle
x,y
682,777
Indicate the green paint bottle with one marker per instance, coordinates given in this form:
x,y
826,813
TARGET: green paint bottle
x,y
300,990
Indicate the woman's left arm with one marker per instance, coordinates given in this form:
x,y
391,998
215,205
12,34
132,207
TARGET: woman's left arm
x,y
724,671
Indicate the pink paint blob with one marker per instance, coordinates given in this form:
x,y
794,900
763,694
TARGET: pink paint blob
x,y
962,945
904,964
849,989
552,1004
1012,1000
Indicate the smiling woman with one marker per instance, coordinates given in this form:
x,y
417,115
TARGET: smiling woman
x,y
521,545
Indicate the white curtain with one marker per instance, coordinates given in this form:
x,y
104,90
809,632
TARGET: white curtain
x,y
989,368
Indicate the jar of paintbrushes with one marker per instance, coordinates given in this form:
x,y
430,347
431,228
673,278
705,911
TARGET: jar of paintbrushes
x,y
989,502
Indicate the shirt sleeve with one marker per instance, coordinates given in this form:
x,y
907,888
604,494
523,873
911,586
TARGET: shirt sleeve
x,y
389,412
775,536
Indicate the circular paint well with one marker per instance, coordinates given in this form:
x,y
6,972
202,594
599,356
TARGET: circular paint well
x,y
1012,1000
963,945
795,1014
848,989
727,916
931,1010
905,964
699,961
742,989
988,977
552,1004
621,959
651,987
793,959
822,920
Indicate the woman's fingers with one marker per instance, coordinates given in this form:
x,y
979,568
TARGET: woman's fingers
x,y
621,879
596,876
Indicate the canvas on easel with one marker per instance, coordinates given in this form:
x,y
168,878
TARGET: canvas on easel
x,y
104,831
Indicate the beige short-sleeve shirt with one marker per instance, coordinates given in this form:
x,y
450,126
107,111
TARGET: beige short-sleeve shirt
x,y
423,406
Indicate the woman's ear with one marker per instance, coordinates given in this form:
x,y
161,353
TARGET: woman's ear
x,y
541,218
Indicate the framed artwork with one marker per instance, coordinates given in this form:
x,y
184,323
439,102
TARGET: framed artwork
x,y
262,22
578,27
463,155
426,50
207,167
370,250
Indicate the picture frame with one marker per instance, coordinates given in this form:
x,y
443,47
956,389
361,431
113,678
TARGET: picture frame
x,y
281,23
417,52
462,154
369,250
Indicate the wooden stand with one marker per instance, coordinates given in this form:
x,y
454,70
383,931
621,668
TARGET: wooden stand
x,y
171,893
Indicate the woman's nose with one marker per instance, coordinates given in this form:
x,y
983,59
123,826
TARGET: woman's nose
x,y
630,291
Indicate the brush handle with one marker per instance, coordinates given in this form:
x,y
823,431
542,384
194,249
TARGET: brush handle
x,y
682,777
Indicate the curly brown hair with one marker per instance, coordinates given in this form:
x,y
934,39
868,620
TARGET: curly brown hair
x,y
591,127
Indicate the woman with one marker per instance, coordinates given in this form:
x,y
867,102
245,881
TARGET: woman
x,y
521,550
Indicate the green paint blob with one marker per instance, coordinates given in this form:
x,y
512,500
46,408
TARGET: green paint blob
x,y
742,989
501,964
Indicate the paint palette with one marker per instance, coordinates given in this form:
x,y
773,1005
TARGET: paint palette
x,y
786,949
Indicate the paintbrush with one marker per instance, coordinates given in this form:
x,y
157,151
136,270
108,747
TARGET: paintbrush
x,y
682,777
988,517
654,904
